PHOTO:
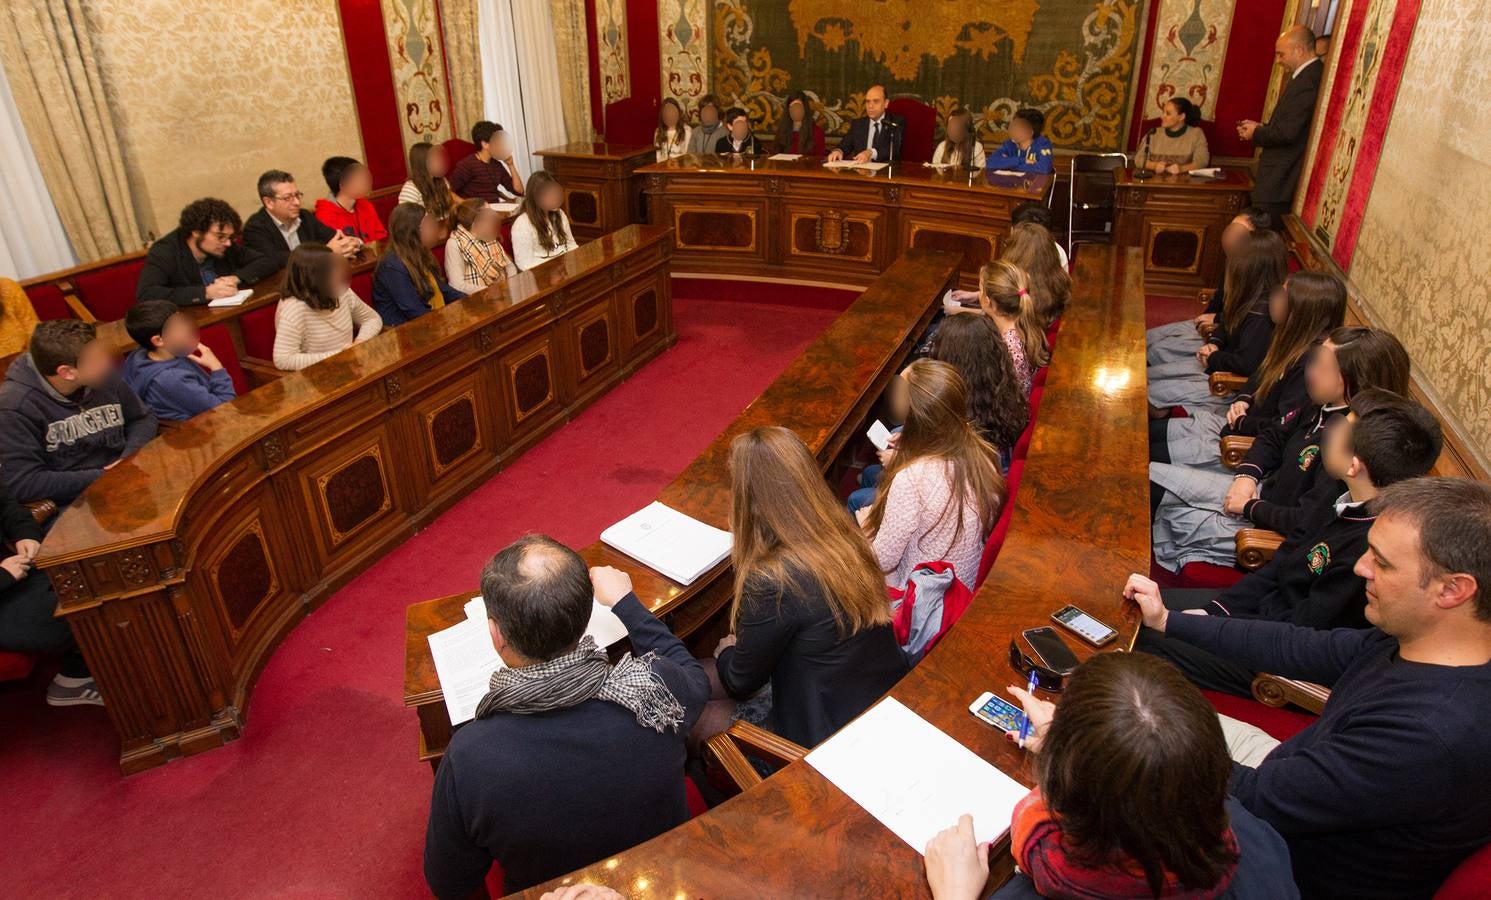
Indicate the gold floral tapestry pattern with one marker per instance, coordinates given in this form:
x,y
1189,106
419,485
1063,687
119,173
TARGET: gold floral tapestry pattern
x,y
1072,59
418,63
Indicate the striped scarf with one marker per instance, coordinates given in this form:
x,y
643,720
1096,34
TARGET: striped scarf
x,y
579,675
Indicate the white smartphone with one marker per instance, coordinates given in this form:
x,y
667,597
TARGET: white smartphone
x,y
1083,625
998,712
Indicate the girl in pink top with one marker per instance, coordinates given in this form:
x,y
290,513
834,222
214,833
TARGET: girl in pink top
x,y
1004,296
941,490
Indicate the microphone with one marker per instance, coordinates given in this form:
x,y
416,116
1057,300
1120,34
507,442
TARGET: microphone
x,y
889,127
1145,174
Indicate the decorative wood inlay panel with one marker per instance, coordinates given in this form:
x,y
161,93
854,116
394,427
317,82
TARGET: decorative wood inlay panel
x,y
355,493
595,344
484,340
134,567
452,431
977,249
1174,248
833,233
716,229
68,583
644,313
273,449
583,207
393,386
533,383
244,578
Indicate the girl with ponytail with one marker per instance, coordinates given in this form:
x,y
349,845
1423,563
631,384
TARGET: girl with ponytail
x,y
1004,295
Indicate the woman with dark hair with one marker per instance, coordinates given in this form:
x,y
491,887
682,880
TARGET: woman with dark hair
x,y
798,130
1177,145
318,315
960,146
739,138
997,408
706,134
348,209
672,135
427,186
1027,150
406,283
1131,771
541,230
810,614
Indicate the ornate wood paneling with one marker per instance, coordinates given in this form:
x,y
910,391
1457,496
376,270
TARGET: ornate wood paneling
x,y
1177,220
718,228
973,247
603,191
832,233
1174,248
243,575
354,493
582,206
452,431
528,379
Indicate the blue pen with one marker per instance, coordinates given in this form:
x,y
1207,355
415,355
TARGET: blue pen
x,y
1025,717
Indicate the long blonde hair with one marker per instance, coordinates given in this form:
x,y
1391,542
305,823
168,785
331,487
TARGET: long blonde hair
x,y
787,524
1007,289
937,427
1031,248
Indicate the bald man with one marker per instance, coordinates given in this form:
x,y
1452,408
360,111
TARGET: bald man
x,y
876,137
1286,134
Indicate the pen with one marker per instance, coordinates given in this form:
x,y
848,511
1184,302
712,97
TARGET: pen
x,y
1025,717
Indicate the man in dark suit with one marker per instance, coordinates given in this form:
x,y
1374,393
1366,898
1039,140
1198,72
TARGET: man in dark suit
x,y
280,226
199,261
1286,135
874,138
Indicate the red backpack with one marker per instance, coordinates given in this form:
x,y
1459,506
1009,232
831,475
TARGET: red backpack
x,y
922,612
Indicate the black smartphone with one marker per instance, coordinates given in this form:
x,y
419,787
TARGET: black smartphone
x,y
1052,651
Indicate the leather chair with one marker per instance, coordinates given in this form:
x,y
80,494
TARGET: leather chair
x,y
919,140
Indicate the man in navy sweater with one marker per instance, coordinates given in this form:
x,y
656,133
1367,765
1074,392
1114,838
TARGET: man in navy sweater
x,y
1384,439
1388,790
570,759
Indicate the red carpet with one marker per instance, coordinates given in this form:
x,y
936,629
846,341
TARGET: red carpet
x,y
323,795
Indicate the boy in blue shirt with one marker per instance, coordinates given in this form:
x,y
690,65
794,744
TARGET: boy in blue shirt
x,y
1027,150
175,373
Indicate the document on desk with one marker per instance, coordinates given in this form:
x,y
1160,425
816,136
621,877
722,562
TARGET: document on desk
x,y
851,164
914,778
1007,172
235,300
785,157
662,538
465,658
505,208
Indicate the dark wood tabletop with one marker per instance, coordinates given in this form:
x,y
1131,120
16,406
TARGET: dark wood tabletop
x,y
1023,187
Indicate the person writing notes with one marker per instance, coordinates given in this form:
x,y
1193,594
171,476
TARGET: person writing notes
x,y
672,135
797,129
1177,145
1027,150
490,172
541,231
570,758
279,225
1286,134
198,261
348,209
319,315
1131,800
405,283
960,145
738,139
874,137
474,257
705,135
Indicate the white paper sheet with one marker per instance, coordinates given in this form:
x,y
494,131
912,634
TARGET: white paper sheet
x,y
785,157
879,435
505,208
235,300
1007,172
851,164
679,546
915,779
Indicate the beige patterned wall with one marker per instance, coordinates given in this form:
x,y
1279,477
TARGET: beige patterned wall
x,y
210,95
1421,259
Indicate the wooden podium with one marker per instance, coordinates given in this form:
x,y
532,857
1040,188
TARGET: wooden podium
x,y
1177,220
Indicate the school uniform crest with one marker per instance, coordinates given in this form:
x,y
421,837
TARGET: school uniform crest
x,y
1307,457
1319,557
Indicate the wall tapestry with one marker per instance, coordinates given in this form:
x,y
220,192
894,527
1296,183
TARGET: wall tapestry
x,y
683,42
1360,96
610,38
1190,46
1072,59
418,64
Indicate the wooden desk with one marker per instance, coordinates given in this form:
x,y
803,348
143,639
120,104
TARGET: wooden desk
x,y
1177,220
799,220
181,568
824,395
795,834
602,191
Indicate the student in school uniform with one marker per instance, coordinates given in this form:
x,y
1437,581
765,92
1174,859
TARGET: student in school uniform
x,y
672,135
1180,340
319,315
960,146
1200,510
941,490
1031,248
541,231
176,374
810,615
738,139
1026,150
474,257
348,209
406,283
705,135
1177,145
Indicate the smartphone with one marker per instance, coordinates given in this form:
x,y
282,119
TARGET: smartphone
x,y
998,712
1051,651
1083,625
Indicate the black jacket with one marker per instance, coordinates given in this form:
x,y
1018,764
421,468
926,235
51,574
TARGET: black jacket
x,y
53,447
892,132
725,146
1289,394
1285,459
1284,138
172,273
263,236
1242,351
547,793
16,524
819,681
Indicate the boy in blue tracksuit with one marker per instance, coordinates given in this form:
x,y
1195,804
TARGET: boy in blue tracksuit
x,y
1027,150
173,372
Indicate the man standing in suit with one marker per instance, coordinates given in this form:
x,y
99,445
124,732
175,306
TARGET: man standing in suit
x,y
874,138
1286,135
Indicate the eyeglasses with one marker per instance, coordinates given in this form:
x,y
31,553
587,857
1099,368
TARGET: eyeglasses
x,y
221,235
284,198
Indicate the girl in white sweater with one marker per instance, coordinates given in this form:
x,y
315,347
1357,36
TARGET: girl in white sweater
x,y
541,231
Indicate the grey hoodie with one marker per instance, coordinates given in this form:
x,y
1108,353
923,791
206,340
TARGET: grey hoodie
x,y
53,446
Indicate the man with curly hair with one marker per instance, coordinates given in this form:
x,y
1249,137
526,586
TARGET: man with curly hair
x,y
201,261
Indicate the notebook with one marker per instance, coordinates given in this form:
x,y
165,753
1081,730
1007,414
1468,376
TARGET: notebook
x,y
879,435
915,779
235,300
670,542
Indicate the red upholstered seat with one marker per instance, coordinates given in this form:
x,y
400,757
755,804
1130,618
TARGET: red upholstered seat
x,y
109,293
258,332
1209,575
217,338
631,120
383,203
1002,524
457,150
439,251
921,128
1281,724
1470,879
16,666
1036,392
48,302
362,286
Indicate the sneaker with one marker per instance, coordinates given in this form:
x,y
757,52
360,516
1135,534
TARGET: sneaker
x,y
64,691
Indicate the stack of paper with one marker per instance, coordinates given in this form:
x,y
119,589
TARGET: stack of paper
x,y
235,300
914,778
465,658
669,542
785,157
851,164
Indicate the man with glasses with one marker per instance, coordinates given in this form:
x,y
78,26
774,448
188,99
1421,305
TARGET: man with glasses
x,y
199,261
278,226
